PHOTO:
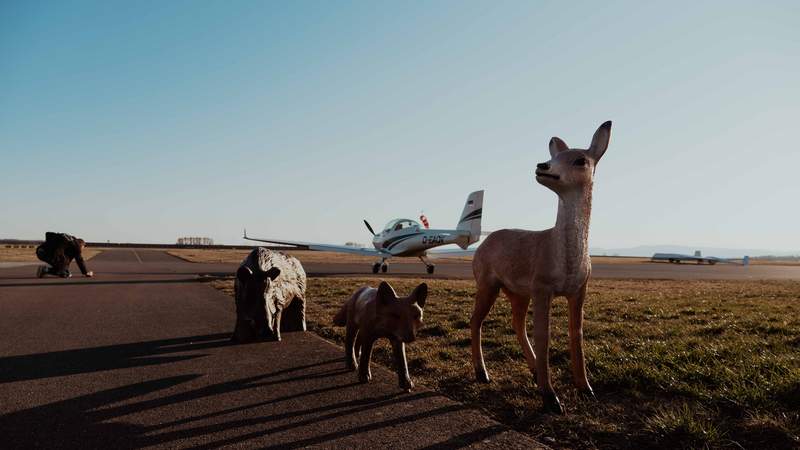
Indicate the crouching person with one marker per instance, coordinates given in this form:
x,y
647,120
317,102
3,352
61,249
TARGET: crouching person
x,y
371,314
270,290
58,250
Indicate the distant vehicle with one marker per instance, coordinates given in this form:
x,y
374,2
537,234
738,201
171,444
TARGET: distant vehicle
x,y
698,257
406,237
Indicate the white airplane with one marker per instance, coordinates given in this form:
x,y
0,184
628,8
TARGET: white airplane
x,y
406,237
698,257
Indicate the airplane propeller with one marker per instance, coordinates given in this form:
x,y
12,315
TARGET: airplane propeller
x,y
369,227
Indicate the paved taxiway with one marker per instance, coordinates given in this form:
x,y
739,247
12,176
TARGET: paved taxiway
x,y
139,356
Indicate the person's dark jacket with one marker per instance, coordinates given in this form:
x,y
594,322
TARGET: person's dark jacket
x,y
59,249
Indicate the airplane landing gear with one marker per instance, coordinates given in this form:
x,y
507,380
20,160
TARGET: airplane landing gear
x,y
380,266
428,266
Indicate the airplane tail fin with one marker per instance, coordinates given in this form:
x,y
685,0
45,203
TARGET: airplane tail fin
x,y
470,219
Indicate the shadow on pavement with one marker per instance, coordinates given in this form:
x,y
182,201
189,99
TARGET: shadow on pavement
x,y
99,282
332,412
84,360
92,420
65,424
363,428
466,439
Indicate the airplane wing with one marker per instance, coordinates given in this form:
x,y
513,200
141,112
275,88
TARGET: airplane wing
x,y
676,257
322,247
450,253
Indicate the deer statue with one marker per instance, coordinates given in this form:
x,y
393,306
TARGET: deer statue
x,y
542,265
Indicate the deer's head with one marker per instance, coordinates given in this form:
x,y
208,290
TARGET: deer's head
x,y
573,168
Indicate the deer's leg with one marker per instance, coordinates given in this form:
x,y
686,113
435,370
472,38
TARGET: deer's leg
x,y
541,341
364,374
519,316
349,347
484,300
403,378
575,304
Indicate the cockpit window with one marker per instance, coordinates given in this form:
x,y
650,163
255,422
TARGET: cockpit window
x,y
400,224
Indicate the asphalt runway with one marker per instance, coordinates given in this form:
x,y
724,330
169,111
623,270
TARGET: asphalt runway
x,y
157,264
139,356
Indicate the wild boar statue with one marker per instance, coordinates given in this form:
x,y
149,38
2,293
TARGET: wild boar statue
x,y
270,292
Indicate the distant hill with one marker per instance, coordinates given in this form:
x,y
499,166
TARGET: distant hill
x,y
648,250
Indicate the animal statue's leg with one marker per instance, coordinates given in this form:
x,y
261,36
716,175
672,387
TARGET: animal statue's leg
x,y
364,374
263,321
575,304
399,350
276,327
293,318
359,344
349,347
519,316
541,340
302,310
484,300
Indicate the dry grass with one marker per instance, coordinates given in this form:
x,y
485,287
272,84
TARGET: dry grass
x,y
618,260
310,256
774,262
28,254
305,256
678,364
209,255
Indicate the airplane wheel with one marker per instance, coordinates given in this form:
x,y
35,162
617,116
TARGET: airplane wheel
x,y
384,268
430,268
376,267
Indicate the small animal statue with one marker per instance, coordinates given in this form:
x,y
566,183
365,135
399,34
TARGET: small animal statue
x,y
370,314
544,264
270,291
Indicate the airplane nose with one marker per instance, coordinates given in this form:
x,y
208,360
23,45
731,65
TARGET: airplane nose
x,y
543,166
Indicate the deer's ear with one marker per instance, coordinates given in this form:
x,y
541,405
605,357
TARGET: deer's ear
x,y
557,146
420,294
385,293
600,141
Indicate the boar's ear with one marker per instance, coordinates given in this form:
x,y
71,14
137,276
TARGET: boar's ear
x,y
272,273
385,293
244,273
420,294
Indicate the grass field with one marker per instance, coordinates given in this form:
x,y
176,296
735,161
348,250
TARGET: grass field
x,y
28,254
674,364
310,256
774,262
236,256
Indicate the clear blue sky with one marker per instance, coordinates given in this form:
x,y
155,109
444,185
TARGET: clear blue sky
x,y
145,121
